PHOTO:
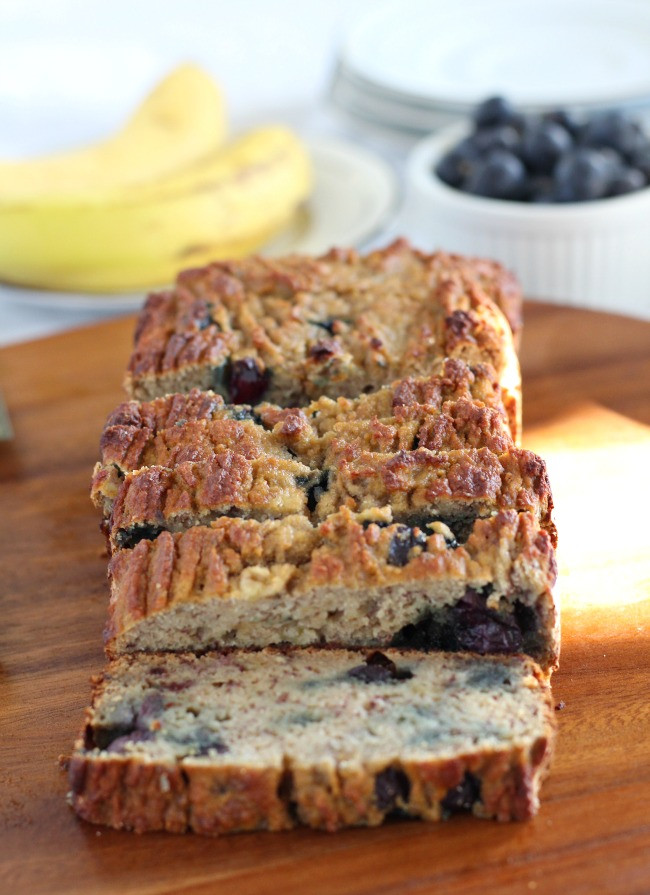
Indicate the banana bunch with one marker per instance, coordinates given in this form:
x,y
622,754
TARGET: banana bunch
x,y
164,193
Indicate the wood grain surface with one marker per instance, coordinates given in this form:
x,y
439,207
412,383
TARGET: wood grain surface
x,y
587,410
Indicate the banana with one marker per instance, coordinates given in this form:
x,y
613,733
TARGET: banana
x,y
182,120
116,239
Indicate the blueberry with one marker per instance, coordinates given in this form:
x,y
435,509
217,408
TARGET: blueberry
x,y
640,159
525,618
581,176
126,538
613,159
566,119
401,543
542,145
503,136
629,180
101,736
614,130
247,382
316,489
429,633
482,630
378,669
463,796
501,176
494,111
456,165
391,785
449,170
541,189
243,412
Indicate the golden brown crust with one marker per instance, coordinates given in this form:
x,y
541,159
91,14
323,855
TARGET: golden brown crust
x,y
129,795
208,557
227,484
455,484
130,448
457,406
503,288
226,467
333,325
292,432
163,413
450,380
451,482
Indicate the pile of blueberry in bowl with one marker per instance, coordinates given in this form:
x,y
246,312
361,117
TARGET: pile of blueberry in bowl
x,y
553,157
563,201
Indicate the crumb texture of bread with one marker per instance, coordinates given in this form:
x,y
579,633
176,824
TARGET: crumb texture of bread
x,y
185,743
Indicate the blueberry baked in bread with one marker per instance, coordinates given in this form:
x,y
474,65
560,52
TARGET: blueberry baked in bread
x,y
293,329
268,740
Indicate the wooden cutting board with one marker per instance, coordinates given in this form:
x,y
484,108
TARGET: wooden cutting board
x,y
587,410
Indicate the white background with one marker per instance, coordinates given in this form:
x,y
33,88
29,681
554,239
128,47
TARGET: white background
x,y
72,70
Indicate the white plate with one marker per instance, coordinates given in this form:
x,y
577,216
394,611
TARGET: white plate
x,y
365,101
555,52
355,193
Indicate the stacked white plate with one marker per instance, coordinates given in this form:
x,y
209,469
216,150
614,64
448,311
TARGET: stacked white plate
x,y
416,65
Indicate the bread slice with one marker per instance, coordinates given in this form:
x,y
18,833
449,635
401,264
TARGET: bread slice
x,y
326,738
180,460
417,487
440,413
350,581
291,330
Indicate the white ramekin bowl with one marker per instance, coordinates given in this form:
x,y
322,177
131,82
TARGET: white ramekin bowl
x,y
589,254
